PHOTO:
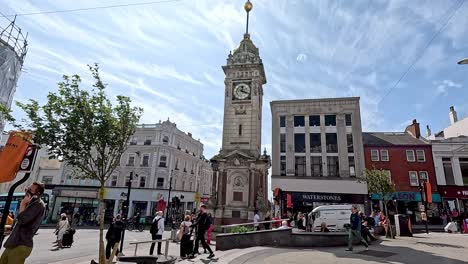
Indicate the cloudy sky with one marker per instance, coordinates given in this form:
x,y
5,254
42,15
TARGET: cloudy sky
x,y
167,56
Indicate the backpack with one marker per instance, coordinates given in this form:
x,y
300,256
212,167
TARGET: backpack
x,y
155,227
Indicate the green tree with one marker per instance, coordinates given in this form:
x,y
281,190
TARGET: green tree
x,y
84,129
378,182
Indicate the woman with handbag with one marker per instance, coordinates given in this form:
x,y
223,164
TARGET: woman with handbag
x,y
62,227
184,234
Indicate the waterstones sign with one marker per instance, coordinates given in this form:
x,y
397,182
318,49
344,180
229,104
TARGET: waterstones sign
x,y
328,197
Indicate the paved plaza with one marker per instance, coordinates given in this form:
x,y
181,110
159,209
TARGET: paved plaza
x,y
438,248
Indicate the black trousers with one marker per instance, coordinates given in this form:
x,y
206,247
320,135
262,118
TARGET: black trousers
x,y
154,237
201,238
186,246
109,247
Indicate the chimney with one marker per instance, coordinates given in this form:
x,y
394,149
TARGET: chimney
x,y
189,134
428,131
413,129
453,115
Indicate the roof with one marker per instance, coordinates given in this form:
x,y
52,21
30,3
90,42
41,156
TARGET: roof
x,y
316,100
390,139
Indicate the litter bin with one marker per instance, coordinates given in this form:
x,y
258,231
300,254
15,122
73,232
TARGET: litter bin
x,y
403,225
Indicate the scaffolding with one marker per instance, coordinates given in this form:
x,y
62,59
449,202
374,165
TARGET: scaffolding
x,y
13,49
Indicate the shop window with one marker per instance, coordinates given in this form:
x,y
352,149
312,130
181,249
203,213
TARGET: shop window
x,y
410,155
282,121
237,196
348,120
283,165
282,143
384,155
300,166
330,120
316,166
142,182
352,167
314,120
423,176
349,141
332,142
315,143
448,171
236,214
374,154
333,166
162,161
413,177
114,180
240,130
464,169
127,181
299,143
420,155
176,164
299,121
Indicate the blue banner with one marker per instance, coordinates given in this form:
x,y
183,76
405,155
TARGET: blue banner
x,y
408,197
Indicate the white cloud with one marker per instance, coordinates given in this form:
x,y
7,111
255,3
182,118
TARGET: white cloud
x,y
444,86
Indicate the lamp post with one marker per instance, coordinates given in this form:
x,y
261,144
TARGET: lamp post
x,y
463,61
422,190
169,198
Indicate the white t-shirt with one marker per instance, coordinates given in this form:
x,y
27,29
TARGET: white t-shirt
x,y
256,218
185,226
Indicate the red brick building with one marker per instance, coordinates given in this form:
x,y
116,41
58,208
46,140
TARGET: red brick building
x,y
408,161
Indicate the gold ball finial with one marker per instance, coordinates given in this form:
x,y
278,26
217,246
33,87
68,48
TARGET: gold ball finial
x,y
248,6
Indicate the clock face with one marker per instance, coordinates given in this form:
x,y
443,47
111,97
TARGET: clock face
x,y
242,91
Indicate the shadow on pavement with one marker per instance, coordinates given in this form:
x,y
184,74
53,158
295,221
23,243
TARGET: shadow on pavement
x,y
438,245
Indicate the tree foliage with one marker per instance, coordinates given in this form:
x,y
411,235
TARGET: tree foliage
x,y
378,182
83,128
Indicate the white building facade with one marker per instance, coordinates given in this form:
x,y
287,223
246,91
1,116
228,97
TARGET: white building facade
x,y
317,152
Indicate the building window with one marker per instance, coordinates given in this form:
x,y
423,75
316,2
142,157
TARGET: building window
x,y
114,180
176,164
282,121
299,121
423,176
389,176
300,166
162,161
299,143
316,166
190,186
237,196
282,143
315,143
420,155
160,183
413,177
349,141
330,120
374,154
352,167
410,155
384,155
165,140
145,160
283,165
134,140
464,170
332,142
148,140
314,120
333,166
131,160
348,120
47,179
183,185
142,182
240,130
127,181
448,171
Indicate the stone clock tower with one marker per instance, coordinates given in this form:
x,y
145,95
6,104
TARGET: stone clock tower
x,y
240,170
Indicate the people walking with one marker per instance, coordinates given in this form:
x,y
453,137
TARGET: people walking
x,y
267,218
256,219
19,244
301,222
114,235
202,224
355,230
186,245
210,230
62,227
157,230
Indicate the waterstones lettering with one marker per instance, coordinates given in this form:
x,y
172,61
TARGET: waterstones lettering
x,y
316,197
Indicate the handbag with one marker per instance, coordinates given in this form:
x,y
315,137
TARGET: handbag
x,y
180,234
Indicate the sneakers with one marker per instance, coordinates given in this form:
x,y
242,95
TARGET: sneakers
x,y
367,248
211,256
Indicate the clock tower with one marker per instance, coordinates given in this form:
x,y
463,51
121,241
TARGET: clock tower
x,y
240,169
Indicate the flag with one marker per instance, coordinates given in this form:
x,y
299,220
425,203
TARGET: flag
x,y
12,155
428,192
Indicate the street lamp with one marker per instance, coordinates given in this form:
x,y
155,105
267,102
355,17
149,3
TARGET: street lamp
x,y
463,61
169,198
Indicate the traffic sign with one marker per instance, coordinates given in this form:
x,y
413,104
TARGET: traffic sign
x,y
29,158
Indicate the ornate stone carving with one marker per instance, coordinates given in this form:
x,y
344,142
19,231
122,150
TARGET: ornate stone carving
x,y
240,110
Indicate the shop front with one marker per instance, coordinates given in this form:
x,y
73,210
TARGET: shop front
x,y
410,204
454,197
81,206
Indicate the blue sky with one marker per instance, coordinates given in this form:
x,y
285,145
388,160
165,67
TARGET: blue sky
x,y
167,57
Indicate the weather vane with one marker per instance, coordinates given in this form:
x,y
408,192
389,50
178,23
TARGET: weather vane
x,y
247,6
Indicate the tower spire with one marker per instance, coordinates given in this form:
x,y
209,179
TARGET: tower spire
x,y
247,6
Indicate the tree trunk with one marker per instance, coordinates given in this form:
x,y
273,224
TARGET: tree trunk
x,y
102,256
388,217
